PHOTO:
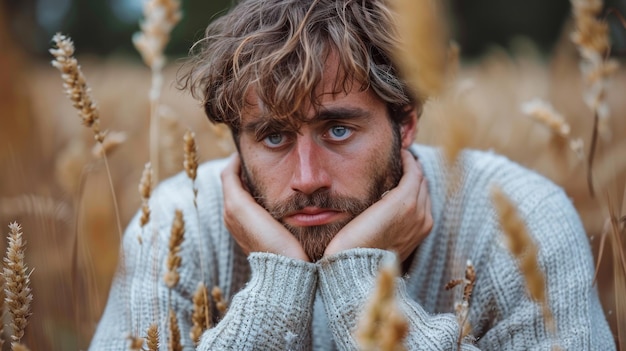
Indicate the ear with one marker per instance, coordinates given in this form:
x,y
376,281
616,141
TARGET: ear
x,y
408,129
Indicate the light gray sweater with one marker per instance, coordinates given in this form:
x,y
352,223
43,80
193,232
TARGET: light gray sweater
x,y
277,303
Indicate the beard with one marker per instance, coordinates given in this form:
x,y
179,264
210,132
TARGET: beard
x,y
384,176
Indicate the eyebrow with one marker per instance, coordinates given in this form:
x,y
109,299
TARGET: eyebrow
x,y
340,113
262,124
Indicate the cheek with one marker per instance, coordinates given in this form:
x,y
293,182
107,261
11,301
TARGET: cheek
x,y
359,166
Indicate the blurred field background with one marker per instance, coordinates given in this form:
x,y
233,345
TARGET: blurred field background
x,y
512,52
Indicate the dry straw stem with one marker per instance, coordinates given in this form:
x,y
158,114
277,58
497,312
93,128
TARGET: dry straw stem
x,y
545,114
201,316
382,325
462,307
591,36
160,18
169,140
525,252
617,232
75,84
174,259
174,341
423,49
218,299
17,283
145,190
152,339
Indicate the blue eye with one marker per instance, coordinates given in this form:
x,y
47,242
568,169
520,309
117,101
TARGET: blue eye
x,y
339,133
274,140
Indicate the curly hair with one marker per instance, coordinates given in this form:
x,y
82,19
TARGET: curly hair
x,y
279,48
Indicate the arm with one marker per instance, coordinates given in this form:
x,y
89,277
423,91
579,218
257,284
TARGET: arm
x,y
347,280
273,311
279,292
566,260
347,274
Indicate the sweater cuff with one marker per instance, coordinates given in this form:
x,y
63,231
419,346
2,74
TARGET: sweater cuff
x,y
285,281
350,275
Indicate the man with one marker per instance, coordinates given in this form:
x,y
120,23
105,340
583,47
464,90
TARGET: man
x,y
325,187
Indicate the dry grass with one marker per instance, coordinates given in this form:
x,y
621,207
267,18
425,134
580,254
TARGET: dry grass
x,y
174,333
152,339
462,307
525,252
17,291
201,316
174,259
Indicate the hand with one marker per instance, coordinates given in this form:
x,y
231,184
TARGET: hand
x,y
397,222
254,229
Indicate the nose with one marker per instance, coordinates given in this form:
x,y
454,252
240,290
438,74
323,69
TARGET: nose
x,y
310,173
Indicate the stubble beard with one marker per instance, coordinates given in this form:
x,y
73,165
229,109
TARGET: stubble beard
x,y
315,239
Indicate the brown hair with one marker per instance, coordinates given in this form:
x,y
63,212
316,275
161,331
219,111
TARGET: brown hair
x,y
279,48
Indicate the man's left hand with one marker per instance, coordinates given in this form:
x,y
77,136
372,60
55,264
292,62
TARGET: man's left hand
x,y
397,222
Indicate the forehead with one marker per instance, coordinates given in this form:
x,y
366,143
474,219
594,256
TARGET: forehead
x,y
333,91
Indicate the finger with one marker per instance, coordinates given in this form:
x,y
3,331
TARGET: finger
x,y
231,181
409,183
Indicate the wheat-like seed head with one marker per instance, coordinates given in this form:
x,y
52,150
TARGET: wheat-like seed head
x,y
145,190
17,283
174,341
462,307
525,251
152,339
218,299
201,313
174,260
544,113
423,50
160,18
75,84
591,36
191,155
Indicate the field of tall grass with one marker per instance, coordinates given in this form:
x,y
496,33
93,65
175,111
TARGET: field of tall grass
x,y
56,183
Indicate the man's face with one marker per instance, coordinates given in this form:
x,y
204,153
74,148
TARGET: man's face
x,y
316,179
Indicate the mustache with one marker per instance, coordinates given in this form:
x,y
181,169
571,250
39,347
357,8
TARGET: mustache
x,y
321,199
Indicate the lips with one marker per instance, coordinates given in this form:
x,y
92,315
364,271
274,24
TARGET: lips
x,y
313,216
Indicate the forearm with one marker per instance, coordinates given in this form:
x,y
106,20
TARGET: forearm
x,y
273,311
346,282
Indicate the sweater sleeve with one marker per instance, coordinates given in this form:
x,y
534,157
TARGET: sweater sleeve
x,y
273,311
346,281
565,258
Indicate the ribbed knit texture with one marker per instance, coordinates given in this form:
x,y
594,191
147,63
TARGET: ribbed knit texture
x,y
277,303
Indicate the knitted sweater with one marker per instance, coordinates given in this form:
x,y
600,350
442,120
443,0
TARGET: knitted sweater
x,y
278,303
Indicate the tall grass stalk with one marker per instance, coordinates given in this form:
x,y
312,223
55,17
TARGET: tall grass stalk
x,y
160,18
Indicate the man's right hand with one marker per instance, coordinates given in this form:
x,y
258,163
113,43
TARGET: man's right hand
x,y
254,229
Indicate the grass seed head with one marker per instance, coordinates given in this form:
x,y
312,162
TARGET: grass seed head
x,y
152,339
75,84
174,260
17,290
